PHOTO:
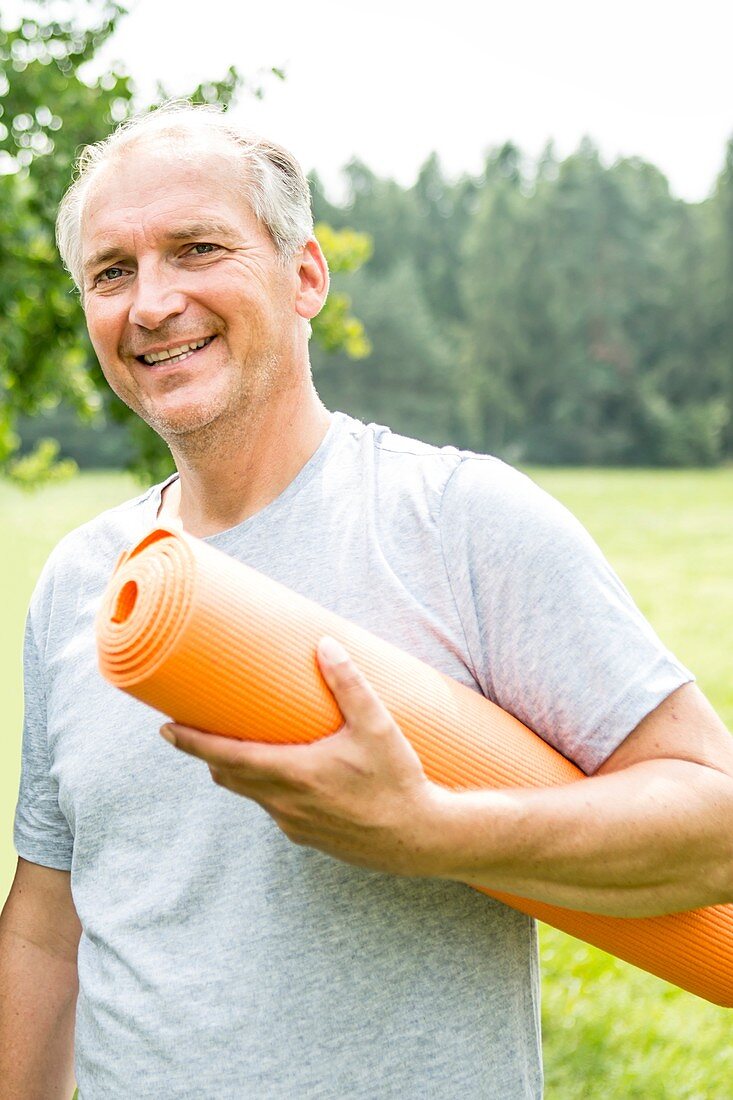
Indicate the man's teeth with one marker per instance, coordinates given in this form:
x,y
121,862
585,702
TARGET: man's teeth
x,y
175,353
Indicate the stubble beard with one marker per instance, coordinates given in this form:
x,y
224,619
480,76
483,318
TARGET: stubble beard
x,y
218,426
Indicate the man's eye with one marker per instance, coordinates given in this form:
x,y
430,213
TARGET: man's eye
x,y
202,249
109,275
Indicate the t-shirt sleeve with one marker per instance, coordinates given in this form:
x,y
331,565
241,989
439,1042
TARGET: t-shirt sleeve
x,y
41,832
553,634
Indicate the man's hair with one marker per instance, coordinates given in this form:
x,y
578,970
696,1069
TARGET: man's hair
x,y
272,180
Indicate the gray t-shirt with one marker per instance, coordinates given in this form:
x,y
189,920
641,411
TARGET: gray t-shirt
x,y
219,960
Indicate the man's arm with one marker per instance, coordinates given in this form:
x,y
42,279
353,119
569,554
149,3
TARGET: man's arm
x,y
39,937
651,833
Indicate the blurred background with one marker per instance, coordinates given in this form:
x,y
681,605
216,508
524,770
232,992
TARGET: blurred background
x,y
528,214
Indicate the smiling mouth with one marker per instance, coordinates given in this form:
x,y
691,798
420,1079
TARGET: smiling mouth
x,y
174,355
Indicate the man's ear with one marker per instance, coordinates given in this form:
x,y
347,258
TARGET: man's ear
x,y
312,280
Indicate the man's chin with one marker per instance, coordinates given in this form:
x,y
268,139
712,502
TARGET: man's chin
x,y
177,425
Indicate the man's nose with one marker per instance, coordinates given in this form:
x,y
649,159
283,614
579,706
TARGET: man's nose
x,y
156,298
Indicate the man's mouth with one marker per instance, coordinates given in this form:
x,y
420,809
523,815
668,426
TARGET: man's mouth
x,y
174,355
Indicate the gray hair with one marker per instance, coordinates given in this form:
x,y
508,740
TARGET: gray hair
x,y
276,188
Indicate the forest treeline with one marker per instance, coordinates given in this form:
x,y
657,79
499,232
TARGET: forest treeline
x,y
561,311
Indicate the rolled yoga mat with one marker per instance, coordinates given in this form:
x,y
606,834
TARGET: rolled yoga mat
x,y
218,646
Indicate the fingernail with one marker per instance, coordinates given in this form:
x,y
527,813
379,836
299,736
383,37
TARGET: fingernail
x,y
333,651
167,734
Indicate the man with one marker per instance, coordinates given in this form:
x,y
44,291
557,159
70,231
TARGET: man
x,y
214,957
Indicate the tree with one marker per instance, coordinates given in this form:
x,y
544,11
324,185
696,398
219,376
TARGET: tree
x,y
443,215
496,347
586,339
409,379
47,111
719,293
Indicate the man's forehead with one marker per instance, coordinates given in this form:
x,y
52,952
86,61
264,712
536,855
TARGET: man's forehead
x,y
164,193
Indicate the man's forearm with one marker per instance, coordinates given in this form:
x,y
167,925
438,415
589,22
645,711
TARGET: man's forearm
x,y
37,1006
654,838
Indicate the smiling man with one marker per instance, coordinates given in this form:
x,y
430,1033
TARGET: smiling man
x,y
199,322
236,920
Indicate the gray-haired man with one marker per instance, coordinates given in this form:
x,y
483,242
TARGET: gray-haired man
x,y
168,921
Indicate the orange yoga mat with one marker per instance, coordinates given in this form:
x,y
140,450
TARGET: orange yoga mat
x,y
203,638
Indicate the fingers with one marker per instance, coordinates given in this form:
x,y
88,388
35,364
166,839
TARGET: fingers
x,y
220,751
363,710
253,759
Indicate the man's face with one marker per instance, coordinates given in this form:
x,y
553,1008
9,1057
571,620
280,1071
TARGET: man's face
x,y
193,317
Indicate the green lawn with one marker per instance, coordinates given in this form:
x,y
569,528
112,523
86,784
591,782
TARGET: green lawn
x,y
611,1031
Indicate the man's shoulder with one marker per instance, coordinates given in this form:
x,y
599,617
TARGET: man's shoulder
x,y
120,522
475,497
404,456
462,475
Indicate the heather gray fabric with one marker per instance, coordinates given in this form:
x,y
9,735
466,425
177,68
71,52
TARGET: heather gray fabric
x,y
217,959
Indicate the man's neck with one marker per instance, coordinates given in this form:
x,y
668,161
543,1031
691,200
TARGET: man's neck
x,y
230,476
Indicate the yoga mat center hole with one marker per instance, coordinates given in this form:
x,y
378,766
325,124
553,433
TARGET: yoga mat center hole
x,y
125,602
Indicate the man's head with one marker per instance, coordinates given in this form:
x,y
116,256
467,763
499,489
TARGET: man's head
x,y
192,246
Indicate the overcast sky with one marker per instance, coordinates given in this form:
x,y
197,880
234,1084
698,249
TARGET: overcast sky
x,y
390,80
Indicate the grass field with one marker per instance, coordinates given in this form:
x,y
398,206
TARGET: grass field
x,y
611,1032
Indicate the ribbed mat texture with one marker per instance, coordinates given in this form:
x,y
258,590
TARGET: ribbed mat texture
x,y
199,636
